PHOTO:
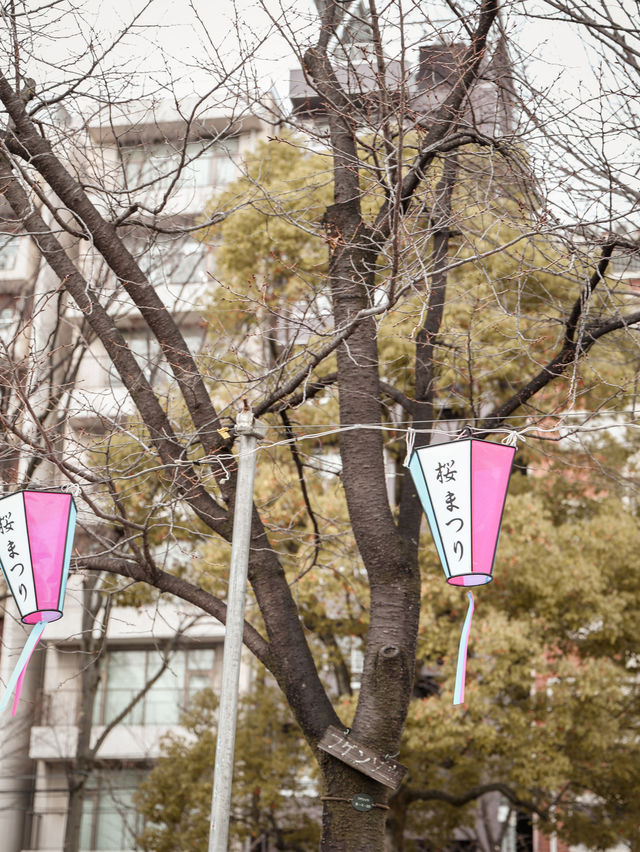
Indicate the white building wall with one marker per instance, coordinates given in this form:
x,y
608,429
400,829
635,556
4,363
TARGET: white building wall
x,y
52,739
35,745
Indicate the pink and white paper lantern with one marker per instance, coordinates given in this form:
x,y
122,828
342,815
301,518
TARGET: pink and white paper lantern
x,y
462,486
36,538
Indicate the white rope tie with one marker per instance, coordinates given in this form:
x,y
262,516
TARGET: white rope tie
x,y
410,439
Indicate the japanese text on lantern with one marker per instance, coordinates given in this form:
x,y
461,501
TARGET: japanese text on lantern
x,y
14,568
15,554
446,474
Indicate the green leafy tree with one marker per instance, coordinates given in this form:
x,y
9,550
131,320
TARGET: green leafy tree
x,y
271,773
536,658
386,310
552,702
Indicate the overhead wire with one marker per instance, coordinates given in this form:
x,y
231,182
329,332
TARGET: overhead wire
x,y
449,428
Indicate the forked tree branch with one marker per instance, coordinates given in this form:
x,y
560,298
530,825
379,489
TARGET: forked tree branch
x,y
24,140
165,441
183,589
573,348
474,793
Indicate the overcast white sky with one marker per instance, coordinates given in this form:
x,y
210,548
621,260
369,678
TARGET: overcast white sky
x,y
182,47
177,38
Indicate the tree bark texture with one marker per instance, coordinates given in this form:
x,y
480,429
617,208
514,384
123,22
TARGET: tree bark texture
x,y
389,559
386,542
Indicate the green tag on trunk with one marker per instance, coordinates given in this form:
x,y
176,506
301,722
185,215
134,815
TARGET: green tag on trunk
x,y
362,802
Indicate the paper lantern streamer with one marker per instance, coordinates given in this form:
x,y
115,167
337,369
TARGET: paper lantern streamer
x,y
36,538
17,676
462,486
461,668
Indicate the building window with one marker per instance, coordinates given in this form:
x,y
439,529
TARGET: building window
x,y
206,164
150,164
8,324
127,672
175,263
215,167
8,253
146,350
109,818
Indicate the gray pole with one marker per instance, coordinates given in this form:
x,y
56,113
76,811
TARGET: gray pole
x,y
249,431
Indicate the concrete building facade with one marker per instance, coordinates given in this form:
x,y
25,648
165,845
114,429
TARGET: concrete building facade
x,y
172,168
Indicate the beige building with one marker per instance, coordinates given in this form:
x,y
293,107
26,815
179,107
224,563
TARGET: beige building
x,y
164,164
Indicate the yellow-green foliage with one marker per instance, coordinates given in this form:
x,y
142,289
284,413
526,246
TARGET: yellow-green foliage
x,y
271,774
270,251
508,290
507,294
550,705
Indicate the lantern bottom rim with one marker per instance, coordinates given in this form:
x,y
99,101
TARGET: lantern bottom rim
x,y
475,579
47,615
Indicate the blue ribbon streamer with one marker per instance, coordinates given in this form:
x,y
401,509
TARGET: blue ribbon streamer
x,y
23,659
461,671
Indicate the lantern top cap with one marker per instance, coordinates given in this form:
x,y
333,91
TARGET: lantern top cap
x,y
32,490
467,437
462,440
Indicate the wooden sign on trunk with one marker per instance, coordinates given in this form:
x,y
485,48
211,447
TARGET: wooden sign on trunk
x,y
386,770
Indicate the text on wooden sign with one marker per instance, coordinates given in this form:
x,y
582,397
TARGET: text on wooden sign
x,y
383,769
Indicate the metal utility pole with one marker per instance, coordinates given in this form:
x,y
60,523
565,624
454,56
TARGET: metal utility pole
x,y
249,431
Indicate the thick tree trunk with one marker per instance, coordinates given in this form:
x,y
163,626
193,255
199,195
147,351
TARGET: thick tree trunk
x,y
345,829
392,569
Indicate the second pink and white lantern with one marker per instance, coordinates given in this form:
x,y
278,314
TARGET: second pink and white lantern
x,y
36,538
462,486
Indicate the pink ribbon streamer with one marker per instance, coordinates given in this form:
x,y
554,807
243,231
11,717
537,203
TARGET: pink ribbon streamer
x,y
16,697
17,676
461,670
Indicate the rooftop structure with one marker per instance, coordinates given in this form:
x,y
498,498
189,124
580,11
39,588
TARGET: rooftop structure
x,y
418,90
